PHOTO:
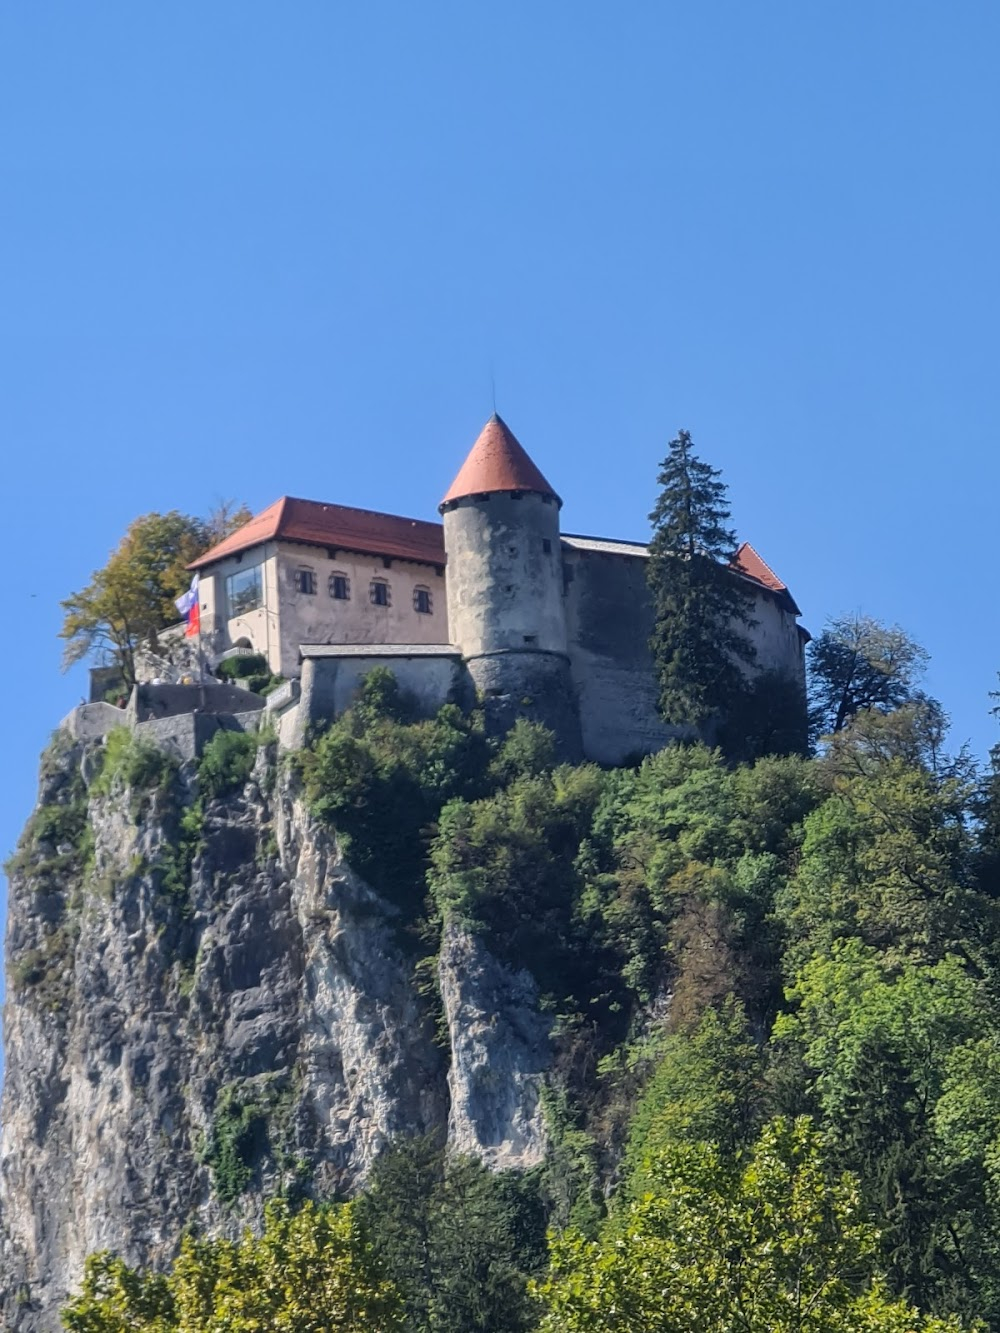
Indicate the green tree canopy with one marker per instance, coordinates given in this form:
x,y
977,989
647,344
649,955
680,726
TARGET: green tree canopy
x,y
310,1272
858,663
703,611
773,1244
459,1240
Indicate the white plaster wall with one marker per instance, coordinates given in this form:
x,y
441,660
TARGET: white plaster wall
x,y
289,618
260,627
322,619
777,639
330,685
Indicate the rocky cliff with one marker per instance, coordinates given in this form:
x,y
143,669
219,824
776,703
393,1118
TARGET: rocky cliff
x,y
206,1004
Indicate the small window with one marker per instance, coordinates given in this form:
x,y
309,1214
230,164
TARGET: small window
x,y
422,601
546,546
340,587
305,582
379,592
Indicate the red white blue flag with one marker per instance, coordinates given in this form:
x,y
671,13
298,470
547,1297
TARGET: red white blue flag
x,y
189,605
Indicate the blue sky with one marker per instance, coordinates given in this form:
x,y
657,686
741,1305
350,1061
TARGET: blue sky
x,y
249,250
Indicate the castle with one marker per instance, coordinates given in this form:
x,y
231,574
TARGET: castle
x,y
495,603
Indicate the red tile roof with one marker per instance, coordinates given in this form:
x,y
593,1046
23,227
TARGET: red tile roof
x,y
748,562
497,462
336,527
343,528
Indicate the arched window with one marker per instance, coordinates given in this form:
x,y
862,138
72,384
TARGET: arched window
x,y
422,601
379,593
340,587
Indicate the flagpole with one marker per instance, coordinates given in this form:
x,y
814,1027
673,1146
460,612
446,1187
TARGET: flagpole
x,y
201,655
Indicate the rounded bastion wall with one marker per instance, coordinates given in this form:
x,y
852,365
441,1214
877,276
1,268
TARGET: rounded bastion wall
x,y
504,577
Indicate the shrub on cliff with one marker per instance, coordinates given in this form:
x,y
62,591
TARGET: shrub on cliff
x,y
380,778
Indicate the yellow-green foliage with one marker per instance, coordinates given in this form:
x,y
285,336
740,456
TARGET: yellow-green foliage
x,y
777,1244
310,1272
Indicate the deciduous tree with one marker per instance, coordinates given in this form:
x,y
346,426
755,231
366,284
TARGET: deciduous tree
x,y
131,599
772,1245
310,1272
858,663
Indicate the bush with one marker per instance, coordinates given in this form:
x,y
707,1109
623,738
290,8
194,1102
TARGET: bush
x,y
381,782
238,668
60,823
237,1139
508,865
527,750
251,672
135,765
226,763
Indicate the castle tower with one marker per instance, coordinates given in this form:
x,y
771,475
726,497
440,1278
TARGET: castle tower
x,y
505,585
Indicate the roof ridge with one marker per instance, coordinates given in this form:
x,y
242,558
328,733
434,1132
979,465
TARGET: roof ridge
x,y
357,509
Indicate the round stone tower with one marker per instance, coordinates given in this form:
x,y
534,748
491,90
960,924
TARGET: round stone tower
x,y
506,608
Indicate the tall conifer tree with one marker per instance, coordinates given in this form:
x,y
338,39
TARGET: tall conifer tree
x,y
703,609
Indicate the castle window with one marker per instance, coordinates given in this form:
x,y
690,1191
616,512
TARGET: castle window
x,y
244,591
340,587
379,593
422,601
305,581
546,546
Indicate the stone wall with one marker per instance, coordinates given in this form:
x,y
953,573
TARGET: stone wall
x,y
149,702
178,718
609,616
89,722
504,574
329,685
536,686
610,620
186,734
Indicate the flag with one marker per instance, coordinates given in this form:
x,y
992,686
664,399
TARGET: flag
x,y
189,605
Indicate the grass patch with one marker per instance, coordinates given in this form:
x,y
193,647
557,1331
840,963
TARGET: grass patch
x,y
47,970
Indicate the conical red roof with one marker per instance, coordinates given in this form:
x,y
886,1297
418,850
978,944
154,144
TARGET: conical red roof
x,y
497,462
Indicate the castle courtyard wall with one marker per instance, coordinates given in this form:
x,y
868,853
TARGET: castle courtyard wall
x,y
609,614
610,619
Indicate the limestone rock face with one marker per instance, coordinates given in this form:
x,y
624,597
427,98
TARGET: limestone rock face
x,y
499,1055
163,977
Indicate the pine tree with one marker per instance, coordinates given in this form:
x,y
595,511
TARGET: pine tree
x,y
702,608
